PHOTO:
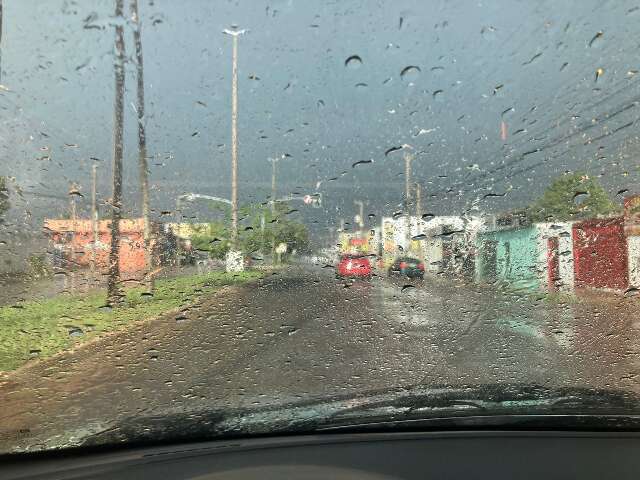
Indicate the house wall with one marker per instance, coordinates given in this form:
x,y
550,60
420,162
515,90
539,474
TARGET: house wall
x,y
633,245
432,249
436,250
187,230
632,231
394,233
74,239
516,257
601,254
562,231
388,241
427,241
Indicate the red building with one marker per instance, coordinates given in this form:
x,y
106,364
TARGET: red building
x,y
600,254
73,243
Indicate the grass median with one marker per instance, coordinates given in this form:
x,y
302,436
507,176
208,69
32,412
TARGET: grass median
x,y
42,328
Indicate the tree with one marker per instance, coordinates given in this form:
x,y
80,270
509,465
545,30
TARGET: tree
x,y
214,239
572,196
252,238
142,141
294,234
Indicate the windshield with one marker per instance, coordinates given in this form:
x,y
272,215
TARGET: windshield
x,y
183,184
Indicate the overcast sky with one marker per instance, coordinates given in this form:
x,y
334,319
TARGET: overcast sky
x,y
531,64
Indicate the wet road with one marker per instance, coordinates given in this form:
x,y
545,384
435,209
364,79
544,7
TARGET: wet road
x,y
301,333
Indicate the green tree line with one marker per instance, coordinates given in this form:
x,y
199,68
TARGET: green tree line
x,y
572,196
253,237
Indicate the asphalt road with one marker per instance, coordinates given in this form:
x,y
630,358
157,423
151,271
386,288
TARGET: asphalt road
x,y
303,334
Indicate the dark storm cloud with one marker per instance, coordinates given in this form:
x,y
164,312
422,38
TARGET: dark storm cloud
x,y
332,84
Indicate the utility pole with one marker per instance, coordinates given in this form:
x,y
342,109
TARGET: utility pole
x,y
73,193
94,219
360,215
418,218
114,294
234,135
262,228
142,146
274,192
408,157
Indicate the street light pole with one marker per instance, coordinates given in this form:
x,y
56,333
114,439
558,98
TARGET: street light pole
x,y
273,161
234,146
73,193
234,135
94,218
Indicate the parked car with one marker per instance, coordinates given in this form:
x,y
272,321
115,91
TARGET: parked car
x,y
407,267
354,266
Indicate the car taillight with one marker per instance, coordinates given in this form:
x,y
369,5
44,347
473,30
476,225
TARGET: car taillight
x,y
403,264
421,266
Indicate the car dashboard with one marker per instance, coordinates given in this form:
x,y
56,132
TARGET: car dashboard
x,y
454,455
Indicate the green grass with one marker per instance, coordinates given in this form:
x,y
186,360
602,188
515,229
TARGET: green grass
x,y
39,329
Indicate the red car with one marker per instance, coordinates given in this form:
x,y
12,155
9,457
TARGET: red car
x,y
354,266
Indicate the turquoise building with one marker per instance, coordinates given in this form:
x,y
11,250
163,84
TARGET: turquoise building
x,y
509,256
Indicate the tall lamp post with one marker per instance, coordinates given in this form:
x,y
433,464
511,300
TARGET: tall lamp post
x,y
408,157
235,33
234,259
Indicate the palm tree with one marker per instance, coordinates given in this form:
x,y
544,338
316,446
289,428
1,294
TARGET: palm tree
x,y
142,143
114,293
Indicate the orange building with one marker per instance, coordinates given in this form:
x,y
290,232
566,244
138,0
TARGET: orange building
x,y
73,243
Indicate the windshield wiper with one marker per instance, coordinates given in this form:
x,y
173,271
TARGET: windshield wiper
x,y
495,422
494,406
484,406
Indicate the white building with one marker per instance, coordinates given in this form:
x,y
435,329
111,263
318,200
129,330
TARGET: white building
x,y
435,240
555,247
